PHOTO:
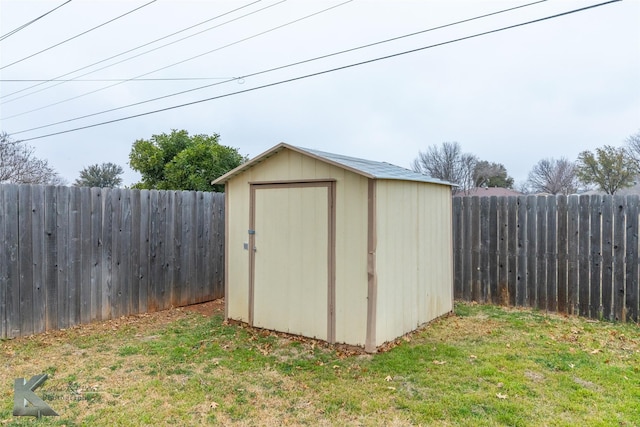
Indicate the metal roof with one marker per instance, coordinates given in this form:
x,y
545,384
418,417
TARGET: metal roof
x,y
368,168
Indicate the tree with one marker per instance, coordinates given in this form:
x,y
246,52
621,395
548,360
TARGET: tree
x,y
181,162
448,163
488,174
106,175
633,148
18,165
553,176
610,168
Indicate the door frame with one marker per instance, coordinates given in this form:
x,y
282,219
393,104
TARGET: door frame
x,y
330,184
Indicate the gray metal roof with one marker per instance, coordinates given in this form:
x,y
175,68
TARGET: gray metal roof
x,y
377,170
368,168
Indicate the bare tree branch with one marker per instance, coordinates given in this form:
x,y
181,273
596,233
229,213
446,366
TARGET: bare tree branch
x,y
19,165
553,177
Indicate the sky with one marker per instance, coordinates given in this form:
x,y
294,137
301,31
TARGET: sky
x,y
549,89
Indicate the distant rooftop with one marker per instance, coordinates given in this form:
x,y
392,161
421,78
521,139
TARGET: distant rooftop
x,y
488,192
369,168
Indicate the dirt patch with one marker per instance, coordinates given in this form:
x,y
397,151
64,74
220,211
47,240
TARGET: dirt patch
x,y
208,309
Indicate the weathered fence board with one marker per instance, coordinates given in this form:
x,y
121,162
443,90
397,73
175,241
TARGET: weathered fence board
x,y
574,255
75,255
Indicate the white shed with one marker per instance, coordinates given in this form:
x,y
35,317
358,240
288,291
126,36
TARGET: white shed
x,y
337,248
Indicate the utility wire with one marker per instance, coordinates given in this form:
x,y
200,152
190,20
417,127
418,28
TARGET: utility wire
x,y
114,80
135,56
184,60
77,35
357,64
23,26
120,54
283,66
395,55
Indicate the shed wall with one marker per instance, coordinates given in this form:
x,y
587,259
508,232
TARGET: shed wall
x,y
351,238
414,256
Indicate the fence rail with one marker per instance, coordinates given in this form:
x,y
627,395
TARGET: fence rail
x,y
575,255
74,255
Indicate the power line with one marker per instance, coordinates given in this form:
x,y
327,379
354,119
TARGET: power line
x,y
23,26
122,53
77,35
184,60
114,80
245,76
395,55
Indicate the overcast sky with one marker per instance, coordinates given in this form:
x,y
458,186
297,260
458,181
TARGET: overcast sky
x,y
549,89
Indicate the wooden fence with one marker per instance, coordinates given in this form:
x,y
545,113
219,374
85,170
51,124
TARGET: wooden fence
x,y
575,255
74,255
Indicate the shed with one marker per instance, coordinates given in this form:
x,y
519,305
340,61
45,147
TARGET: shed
x,y
337,248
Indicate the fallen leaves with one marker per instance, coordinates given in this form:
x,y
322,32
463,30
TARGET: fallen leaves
x,y
439,362
501,396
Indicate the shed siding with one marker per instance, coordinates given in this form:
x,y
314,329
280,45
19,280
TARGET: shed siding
x,y
414,252
351,237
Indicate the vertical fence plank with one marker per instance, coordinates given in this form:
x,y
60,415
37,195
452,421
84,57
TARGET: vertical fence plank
x,y
563,256
135,237
182,259
541,251
503,251
552,255
512,248
155,251
606,283
4,280
583,256
522,224
74,257
532,231
107,253
169,247
631,278
12,269
51,257
485,221
468,250
173,247
117,285
85,255
619,252
218,245
493,255
458,248
475,249
25,263
127,251
144,265
190,214
596,257
39,300
199,248
573,250
97,246
62,230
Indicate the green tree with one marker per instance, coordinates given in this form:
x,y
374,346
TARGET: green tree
x,y
488,174
610,168
105,175
181,162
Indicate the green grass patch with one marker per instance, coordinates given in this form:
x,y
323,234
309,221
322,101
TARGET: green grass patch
x,y
485,366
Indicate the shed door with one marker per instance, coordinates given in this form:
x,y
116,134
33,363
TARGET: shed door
x,y
292,260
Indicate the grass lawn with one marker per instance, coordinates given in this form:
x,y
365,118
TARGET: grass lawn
x,y
485,366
